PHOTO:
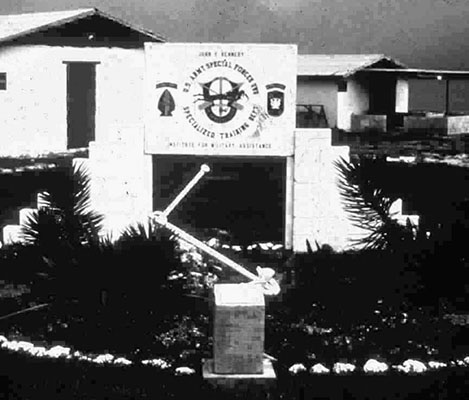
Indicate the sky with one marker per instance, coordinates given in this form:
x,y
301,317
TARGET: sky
x,y
419,33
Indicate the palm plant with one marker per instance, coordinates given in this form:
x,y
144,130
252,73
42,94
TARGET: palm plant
x,y
63,233
369,208
151,253
65,220
152,248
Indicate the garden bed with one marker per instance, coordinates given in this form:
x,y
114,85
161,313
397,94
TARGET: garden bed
x,y
132,318
29,378
307,326
298,342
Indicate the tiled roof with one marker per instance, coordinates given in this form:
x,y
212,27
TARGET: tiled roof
x,y
340,65
14,26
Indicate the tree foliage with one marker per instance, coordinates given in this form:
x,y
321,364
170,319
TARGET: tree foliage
x,y
73,263
369,208
65,219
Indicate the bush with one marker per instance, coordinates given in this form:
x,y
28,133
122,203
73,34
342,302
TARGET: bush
x,y
368,208
416,252
350,284
67,262
138,269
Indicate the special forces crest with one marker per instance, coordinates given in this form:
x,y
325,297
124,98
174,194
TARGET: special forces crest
x,y
220,99
275,99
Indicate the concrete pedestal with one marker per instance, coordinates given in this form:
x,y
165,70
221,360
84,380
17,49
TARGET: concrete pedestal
x,y
238,340
238,335
242,382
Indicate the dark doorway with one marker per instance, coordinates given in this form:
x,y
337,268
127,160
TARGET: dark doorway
x,y
81,103
243,196
382,94
383,97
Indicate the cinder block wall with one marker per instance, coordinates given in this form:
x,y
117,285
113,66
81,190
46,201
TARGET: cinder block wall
x,y
121,185
318,213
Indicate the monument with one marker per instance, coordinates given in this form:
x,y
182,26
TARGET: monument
x,y
239,315
238,338
238,334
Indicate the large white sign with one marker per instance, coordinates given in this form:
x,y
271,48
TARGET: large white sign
x,y
220,99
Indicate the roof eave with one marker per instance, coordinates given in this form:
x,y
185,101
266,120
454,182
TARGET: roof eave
x,y
145,32
62,21
328,76
86,13
379,58
417,72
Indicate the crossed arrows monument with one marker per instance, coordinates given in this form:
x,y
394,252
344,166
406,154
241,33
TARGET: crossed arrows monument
x,y
238,336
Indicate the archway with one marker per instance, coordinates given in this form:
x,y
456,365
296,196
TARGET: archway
x,y
243,196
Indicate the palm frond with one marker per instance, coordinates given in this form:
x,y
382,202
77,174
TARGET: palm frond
x,y
309,249
368,207
151,249
44,228
66,218
146,233
138,232
81,190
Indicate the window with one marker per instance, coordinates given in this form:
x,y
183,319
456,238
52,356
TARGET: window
x,y
311,116
3,81
342,86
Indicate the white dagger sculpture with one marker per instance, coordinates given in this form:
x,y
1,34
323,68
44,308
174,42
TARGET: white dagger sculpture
x,y
264,277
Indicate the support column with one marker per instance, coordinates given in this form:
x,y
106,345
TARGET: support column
x,y
289,182
319,215
402,96
121,182
343,112
447,97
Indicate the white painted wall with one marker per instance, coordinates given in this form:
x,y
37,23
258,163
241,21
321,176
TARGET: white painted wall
x,y
319,92
33,116
121,184
318,213
122,188
354,101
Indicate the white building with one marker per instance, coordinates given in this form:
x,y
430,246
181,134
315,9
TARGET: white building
x,y
58,72
345,87
372,92
152,112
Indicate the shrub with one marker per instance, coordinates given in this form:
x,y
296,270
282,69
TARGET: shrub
x,y
369,209
62,234
417,258
75,265
349,285
142,259
66,220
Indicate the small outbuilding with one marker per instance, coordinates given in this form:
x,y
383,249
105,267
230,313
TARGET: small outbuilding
x,y
66,75
373,92
335,84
